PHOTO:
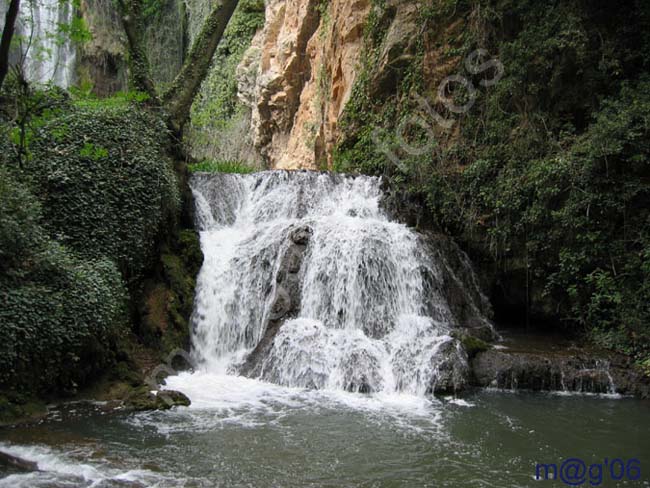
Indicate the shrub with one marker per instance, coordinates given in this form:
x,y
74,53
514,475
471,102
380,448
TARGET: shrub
x,y
58,312
106,184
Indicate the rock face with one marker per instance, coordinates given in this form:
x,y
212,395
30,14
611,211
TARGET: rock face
x,y
298,75
547,364
453,371
102,59
460,287
286,302
541,372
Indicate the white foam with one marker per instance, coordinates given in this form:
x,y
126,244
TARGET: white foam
x,y
61,469
221,399
459,401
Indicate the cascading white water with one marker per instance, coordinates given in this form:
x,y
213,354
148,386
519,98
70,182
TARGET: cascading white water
x,y
366,320
49,54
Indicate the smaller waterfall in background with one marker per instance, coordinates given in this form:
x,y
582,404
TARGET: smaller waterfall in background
x,y
50,54
307,283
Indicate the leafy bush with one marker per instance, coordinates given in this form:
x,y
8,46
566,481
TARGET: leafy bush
x,y
82,213
20,231
106,184
58,312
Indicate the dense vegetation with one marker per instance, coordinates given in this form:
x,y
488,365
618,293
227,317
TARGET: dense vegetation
x,y
546,180
89,239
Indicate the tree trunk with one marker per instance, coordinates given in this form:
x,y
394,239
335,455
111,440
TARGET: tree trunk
x,y
178,99
7,35
139,71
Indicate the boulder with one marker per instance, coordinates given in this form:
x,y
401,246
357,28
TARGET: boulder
x,y
452,369
17,463
142,399
538,371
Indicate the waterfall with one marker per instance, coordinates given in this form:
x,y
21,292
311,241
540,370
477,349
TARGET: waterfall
x,y
49,55
306,282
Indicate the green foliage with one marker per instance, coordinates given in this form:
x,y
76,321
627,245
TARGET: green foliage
x,y
361,103
85,208
220,167
107,186
83,98
217,100
77,30
20,231
29,112
326,17
89,150
58,311
548,175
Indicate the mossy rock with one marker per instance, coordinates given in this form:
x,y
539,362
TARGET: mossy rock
x,y
124,371
142,399
473,345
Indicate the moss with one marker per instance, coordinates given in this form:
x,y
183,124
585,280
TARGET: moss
x,y
168,300
190,251
124,371
473,345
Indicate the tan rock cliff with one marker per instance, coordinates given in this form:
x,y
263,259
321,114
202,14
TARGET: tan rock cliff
x,y
298,75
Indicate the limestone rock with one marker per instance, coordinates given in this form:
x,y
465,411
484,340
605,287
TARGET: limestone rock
x,y
297,77
452,369
398,47
142,400
542,372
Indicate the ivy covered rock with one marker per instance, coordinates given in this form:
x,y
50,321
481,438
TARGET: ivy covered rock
x,y
106,184
59,311
86,212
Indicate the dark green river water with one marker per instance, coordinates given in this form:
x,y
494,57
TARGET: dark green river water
x,y
243,433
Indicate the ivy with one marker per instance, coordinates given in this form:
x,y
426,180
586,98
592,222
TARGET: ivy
x,y
58,311
108,187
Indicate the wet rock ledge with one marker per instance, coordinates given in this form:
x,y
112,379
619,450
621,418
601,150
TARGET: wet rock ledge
x,y
546,363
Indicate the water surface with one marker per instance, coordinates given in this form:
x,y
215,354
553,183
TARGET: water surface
x,y
242,432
